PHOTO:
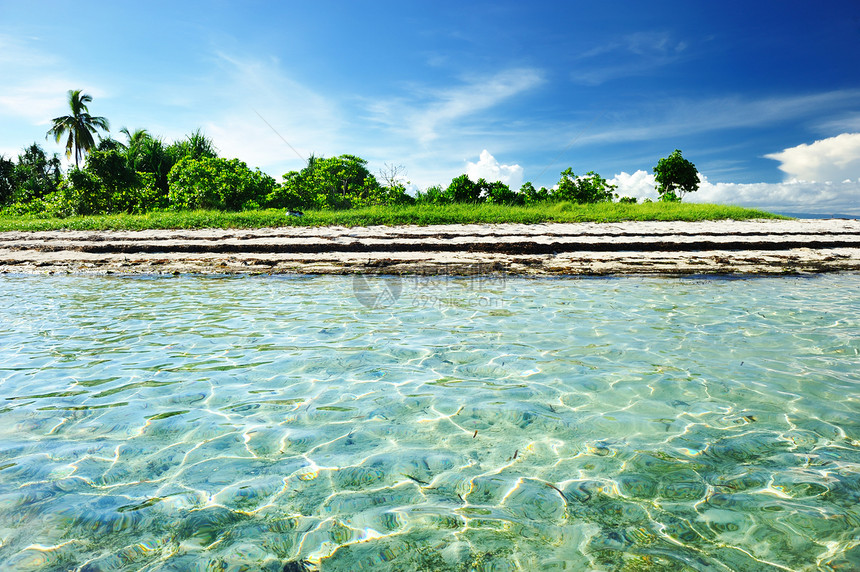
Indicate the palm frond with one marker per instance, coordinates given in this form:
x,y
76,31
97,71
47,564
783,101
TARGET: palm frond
x,y
80,125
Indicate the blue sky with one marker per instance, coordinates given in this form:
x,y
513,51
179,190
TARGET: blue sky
x,y
764,97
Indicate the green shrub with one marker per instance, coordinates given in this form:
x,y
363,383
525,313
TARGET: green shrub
x,y
7,180
463,190
531,195
106,184
34,176
498,193
341,182
591,188
218,184
52,205
431,196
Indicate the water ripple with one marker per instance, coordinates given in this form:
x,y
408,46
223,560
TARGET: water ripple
x,y
277,424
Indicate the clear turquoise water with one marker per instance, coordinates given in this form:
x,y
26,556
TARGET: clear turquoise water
x,y
262,423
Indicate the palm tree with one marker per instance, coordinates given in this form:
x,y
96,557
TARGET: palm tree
x,y
136,137
80,126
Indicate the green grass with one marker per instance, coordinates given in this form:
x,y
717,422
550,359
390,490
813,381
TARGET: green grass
x,y
417,215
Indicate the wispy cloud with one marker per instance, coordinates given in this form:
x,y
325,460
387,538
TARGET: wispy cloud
x,y
845,123
35,101
34,82
426,112
675,117
244,87
17,52
632,55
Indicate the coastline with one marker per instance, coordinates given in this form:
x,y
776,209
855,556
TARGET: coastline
x,y
596,249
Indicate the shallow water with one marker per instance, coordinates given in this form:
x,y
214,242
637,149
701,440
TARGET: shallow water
x,y
197,423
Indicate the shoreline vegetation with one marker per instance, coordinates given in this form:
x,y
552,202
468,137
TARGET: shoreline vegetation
x,y
395,215
145,183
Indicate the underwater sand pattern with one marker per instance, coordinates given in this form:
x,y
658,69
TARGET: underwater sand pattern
x,y
265,423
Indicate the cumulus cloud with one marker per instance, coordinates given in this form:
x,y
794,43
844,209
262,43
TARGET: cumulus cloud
x,y
489,169
833,159
791,196
640,185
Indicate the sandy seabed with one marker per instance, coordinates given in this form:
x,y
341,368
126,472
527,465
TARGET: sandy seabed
x,y
653,247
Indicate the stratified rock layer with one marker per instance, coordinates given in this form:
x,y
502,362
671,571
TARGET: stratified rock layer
x,y
756,247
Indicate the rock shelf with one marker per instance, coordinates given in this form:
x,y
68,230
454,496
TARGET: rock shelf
x,y
653,247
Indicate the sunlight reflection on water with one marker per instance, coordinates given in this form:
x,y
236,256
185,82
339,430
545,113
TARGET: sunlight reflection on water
x,y
248,423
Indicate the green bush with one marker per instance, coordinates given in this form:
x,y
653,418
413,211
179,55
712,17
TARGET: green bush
x,y
591,188
531,195
288,195
35,175
217,184
106,184
341,182
434,195
498,193
463,190
7,180
52,205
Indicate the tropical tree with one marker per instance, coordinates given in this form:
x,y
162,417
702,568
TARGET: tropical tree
x,y
36,174
106,184
80,126
590,188
675,176
463,190
337,182
134,138
531,195
196,145
7,179
498,193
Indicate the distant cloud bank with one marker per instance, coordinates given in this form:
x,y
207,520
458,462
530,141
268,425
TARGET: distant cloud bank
x,y
797,196
791,196
822,178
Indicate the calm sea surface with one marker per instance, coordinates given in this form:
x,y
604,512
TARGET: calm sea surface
x,y
335,423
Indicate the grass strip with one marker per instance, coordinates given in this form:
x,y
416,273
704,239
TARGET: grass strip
x,y
392,215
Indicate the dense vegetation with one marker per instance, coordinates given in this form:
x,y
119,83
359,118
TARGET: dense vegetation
x,y
144,174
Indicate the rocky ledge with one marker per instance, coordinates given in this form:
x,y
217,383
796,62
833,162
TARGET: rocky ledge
x,y
712,247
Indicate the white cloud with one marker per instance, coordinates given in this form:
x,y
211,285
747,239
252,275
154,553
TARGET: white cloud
x,y
791,196
833,159
35,83
640,184
639,53
847,122
489,169
429,112
37,102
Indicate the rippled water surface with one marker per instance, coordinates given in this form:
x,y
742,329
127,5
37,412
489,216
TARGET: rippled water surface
x,y
197,423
